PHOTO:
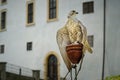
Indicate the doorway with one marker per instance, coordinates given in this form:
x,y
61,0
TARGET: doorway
x,y
52,68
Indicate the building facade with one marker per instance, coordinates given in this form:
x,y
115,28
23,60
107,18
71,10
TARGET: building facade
x,y
28,35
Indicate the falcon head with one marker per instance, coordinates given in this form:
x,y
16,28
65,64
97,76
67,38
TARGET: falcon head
x,y
72,13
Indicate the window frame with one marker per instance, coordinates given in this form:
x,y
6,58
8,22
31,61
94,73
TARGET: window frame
x,y
48,12
33,14
88,7
4,29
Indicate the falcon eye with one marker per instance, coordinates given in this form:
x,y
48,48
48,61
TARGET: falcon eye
x,y
73,11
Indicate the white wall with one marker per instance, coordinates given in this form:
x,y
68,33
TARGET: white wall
x,y
112,66
43,35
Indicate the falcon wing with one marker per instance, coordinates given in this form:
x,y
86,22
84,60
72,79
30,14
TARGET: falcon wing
x,y
62,41
84,40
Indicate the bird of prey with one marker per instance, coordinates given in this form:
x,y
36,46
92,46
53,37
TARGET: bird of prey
x,y
73,32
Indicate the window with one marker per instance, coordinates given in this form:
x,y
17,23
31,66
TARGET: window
x,y
30,12
3,1
3,20
90,40
29,46
2,47
88,7
52,9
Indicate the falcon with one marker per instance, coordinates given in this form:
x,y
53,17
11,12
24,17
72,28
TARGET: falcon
x,y
73,32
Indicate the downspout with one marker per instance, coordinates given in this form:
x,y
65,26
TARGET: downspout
x,y
104,38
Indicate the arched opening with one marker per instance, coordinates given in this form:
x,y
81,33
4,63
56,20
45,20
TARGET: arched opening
x,y
52,68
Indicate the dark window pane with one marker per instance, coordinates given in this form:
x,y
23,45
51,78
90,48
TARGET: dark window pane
x,y
52,9
91,40
88,7
30,13
2,49
29,46
3,20
91,7
54,12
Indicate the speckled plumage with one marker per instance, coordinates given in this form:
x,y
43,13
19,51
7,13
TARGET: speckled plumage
x,y
73,32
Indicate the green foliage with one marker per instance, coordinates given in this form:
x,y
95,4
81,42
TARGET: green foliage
x,y
113,78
